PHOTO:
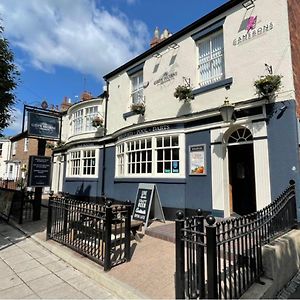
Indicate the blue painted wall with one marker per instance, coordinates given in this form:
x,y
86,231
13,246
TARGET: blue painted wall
x,y
283,145
198,188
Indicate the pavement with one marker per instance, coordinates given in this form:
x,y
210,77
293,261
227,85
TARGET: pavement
x,y
149,274
30,271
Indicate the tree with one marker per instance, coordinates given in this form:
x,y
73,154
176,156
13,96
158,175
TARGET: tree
x,y
9,77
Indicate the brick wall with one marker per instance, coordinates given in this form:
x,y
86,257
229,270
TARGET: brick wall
x,y
22,155
294,24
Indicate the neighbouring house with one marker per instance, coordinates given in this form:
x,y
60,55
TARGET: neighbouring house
x,y
4,157
208,114
22,147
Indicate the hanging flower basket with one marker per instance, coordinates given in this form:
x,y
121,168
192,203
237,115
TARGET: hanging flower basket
x,y
184,92
138,108
97,122
267,85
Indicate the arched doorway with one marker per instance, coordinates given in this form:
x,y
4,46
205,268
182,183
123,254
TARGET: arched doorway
x,y
241,172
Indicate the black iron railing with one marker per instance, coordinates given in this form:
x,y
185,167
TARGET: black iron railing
x,y
223,259
100,232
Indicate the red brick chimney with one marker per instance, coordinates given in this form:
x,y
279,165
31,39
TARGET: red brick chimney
x,y
86,96
65,104
157,38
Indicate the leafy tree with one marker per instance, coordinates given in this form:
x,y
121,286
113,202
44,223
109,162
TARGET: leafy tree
x,y
9,77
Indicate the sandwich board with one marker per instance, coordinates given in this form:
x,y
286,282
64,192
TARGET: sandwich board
x,y
147,204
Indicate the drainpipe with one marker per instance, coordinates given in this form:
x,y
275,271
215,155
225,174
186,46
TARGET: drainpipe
x,y
106,96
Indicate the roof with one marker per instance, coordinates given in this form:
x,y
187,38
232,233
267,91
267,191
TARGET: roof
x,y
218,11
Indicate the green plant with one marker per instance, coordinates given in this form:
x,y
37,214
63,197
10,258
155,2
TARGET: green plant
x,y
267,85
97,122
138,108
184,92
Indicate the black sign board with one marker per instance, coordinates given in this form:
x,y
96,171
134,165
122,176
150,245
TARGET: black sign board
x,y
43,125
39,171
147,203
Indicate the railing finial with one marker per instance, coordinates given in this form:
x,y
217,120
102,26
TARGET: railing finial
x,y
179,215
210,220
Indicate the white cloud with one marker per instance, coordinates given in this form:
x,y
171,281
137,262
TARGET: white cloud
x,y
74,34
16,123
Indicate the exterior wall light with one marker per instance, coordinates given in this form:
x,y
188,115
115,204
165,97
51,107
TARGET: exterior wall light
x,y
156,55
174,46
248,4
227,111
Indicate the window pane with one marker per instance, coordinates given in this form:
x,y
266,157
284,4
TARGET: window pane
x,y
167,167
167,154
160,167
174,140
143,168
160,154
148,143
159,142
167,141
175,154
149,167
142,144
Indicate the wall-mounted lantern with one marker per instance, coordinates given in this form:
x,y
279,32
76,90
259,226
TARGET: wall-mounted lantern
x,y
227,110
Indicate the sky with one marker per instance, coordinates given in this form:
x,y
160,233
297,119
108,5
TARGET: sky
x,y
64,47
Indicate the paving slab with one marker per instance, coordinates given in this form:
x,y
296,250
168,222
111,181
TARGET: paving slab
x,y
44,283
16,292
34,273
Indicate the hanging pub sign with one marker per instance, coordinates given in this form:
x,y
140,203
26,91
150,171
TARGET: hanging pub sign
x,y
147,204
197,160
43,125
39,174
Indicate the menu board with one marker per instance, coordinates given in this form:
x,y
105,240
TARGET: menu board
x,y
142,204
197,156
39,171
147,204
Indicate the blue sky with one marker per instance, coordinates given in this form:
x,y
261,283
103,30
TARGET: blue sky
x,y
63,47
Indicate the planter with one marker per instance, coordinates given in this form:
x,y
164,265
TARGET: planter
x,y
267,85
184,93
138,108
97,122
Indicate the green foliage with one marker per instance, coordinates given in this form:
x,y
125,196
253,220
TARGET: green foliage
x,y
97,122
267,85
183,93
138,108
9,79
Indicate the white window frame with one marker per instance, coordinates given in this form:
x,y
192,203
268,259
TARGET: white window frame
x,y
122,158
14,148
82,119
25,144
90,113
77,170
137,90
215,74
77,123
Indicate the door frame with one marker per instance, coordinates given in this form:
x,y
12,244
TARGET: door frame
x,y
220,165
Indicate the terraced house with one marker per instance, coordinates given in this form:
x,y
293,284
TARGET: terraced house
x,y
208,114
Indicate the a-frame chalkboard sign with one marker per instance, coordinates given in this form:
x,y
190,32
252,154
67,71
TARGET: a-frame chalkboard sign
x,y
147,204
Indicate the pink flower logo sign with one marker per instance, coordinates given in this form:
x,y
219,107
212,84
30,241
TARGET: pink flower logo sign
x,y
251,23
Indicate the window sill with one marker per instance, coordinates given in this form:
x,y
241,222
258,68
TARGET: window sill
x,y
221,83
150,180
130,114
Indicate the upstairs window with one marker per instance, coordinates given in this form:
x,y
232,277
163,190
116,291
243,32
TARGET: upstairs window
x,y
78,121
14,148
82,119
136,79
25,144
137,90
90,114
211,59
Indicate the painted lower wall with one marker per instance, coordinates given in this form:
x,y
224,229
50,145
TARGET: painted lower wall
x,y
283,145
193,192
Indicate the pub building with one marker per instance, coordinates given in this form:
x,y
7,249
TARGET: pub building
x,y
186,116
